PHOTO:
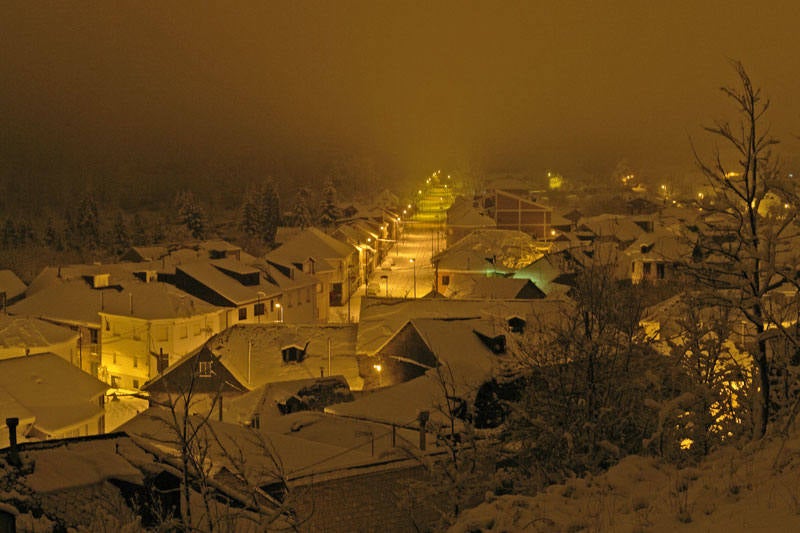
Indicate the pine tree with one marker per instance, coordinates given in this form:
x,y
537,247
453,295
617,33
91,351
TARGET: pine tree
x,y
138,231
270,211
88,221
328,209
119,239
191,214
301,215
52,237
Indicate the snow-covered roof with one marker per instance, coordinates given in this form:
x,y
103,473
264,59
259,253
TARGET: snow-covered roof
x,y
11,284
210,276
57,393
79,464
494,288
311,242
489,250
255,350
660,245
619,227
18,334
266,450
381,318
75,301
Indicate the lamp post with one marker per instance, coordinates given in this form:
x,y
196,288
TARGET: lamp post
x,y
386,279
280,310
414,265
379,369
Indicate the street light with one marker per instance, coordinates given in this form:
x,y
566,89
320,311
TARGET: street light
x,y
280,309
386,279
259,309
379,369
414,265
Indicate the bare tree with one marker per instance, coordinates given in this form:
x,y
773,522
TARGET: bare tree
x,y
742,249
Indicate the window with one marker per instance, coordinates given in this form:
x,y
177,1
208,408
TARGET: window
x,y
160,333
94,336
272,306
114,358
135,383
259,309
205,369
445,280
308,294
197,328
660,270
242,313
115,382
135,362
183,331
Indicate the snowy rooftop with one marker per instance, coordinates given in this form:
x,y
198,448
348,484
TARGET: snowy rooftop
x,y
54,391
207,274
495,288
75,301
285,452
255,350
310,243
79,464
380,318
19,334
489,250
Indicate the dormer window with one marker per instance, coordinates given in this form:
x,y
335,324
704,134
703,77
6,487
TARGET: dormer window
x,y
205,369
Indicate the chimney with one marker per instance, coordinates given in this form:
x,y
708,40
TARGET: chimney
x,y
13,454
423,421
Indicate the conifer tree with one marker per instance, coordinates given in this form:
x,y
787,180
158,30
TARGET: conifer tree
x,y
328,209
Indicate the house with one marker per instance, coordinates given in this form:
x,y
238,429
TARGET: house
x,y
463,218
11,289
488,252
29,336
514,209
50,397
247,356
332,261
381,318
492,288
315,463
365,237
553,273
130,325
618,229
656,256
148,326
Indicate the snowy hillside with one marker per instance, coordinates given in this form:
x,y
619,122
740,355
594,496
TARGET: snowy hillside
x,y
756,488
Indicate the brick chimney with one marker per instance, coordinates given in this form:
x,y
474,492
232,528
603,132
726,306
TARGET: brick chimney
x,y
13,453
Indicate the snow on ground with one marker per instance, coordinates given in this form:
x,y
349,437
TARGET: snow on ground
x,y
753,489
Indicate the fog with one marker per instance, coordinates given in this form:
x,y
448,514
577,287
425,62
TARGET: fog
x,y
293,89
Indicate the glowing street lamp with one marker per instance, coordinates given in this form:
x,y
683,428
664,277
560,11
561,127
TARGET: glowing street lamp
x,y
280,309
379,369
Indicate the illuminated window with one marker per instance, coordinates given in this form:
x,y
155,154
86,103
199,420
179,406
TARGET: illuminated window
x,y
205,369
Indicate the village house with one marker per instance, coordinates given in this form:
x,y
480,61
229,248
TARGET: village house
x,y
50,398
488,252
248,356
330,260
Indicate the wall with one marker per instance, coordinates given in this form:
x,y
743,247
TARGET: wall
x,y
366,502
